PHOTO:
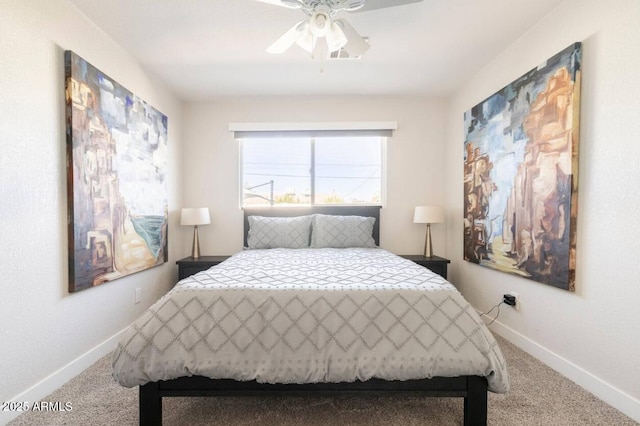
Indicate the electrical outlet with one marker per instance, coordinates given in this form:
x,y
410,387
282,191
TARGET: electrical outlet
x,y
512,299
137,295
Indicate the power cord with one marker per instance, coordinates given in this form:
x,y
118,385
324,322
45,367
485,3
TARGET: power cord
x,y
486,314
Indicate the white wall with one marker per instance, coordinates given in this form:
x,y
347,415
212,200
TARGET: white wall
x,y
43,328
415,168
591,335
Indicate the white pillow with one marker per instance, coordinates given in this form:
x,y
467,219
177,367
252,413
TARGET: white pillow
x,y
342,231
279,232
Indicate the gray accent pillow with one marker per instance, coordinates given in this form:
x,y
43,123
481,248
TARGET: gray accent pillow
x,y
279,232
342,231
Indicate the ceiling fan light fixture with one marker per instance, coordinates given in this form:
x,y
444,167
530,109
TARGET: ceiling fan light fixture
x,y
356,44
335,38
306,40
320,23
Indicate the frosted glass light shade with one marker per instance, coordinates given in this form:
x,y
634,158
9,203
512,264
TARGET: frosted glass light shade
x,y
428,214
195,216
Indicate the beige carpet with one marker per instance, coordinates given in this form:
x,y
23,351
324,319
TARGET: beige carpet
x,y
538,396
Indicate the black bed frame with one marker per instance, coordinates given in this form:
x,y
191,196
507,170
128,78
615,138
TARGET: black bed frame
x,y
472,388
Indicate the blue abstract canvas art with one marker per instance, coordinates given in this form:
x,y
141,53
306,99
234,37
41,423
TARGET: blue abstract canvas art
x,y
116,178
521,174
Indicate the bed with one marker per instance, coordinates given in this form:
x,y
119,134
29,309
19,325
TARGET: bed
x,y
340,316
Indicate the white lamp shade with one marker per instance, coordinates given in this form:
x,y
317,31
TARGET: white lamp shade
x,y
335,38
195,216
428,214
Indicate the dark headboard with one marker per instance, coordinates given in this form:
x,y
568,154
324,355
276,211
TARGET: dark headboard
x,y
367,211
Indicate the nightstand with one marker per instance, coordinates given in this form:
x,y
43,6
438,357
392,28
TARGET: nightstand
x,y
189,266
436,264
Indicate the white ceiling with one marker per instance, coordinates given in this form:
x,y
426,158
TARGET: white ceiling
x,y
204,49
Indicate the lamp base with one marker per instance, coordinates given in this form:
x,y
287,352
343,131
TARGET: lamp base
x,y
195,248
428,247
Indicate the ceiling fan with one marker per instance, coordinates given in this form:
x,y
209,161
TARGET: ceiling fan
x,y
322,25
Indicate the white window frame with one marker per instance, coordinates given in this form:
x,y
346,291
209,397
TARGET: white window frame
x,y
280,130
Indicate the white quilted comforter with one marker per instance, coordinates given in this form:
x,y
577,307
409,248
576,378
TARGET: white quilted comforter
x,y
310,315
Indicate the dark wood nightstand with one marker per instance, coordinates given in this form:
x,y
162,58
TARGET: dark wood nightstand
x,y
436,264
189,266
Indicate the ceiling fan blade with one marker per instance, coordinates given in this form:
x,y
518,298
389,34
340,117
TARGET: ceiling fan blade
x,y
380,4
291,4
288,39
356,44
349,5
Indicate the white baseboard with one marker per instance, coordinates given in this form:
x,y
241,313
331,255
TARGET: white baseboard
x,y
58,378
609,394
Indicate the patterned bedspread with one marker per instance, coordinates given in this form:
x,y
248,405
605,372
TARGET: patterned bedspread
x,y
307,316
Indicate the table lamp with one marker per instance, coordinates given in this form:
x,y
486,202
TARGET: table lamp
x,y
428,215
194,217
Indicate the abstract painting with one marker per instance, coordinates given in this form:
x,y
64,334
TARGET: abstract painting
x,y
116,178
521,174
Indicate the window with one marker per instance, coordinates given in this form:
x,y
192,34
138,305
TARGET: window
x,y
306,170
